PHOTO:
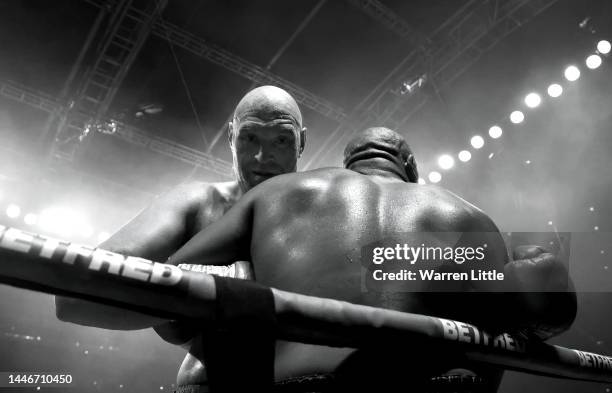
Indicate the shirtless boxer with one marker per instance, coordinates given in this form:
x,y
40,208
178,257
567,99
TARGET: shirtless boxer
x,y
304,231
266,138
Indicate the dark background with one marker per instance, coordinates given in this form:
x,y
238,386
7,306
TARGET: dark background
x,y
340,53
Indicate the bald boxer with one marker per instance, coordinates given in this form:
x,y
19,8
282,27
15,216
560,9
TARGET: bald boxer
x,y
304,233
266,138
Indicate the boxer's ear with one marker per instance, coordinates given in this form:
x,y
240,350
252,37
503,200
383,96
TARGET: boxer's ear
x,y
302,141
411,169
412,161
230,133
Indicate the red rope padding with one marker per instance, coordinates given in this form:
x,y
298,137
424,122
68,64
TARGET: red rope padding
x,y
40,263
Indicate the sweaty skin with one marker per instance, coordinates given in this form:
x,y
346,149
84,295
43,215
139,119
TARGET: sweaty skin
x,y
303,233
266,138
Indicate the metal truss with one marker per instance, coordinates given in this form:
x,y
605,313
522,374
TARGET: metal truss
x,y
234,63
36,99
393,22
132,135
476,29
91,95
451,50
175,150
200,47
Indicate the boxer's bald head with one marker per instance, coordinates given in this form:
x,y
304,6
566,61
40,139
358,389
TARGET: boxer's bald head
x,y
269,102
381,149
266,135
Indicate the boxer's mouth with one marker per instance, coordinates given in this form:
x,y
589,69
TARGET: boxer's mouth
x,y
264,173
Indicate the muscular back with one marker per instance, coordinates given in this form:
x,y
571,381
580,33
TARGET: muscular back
x,y
309,229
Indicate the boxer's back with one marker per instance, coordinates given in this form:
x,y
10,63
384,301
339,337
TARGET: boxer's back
x,y
310,228
304,233
308,232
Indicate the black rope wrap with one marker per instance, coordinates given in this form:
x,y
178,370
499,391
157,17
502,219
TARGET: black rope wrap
x,y
239,350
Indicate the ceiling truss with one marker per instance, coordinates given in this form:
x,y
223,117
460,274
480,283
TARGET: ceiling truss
x,y
448,52
132,135
441,57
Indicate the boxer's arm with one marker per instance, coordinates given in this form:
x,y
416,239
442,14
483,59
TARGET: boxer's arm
x,y
160,229
154,234
224,241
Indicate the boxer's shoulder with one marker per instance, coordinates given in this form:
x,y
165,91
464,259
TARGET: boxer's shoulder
x,y
317,185
203,203
200,194
447,211
305,178
313,180
190,205
227,191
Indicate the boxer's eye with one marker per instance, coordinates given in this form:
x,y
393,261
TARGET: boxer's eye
x,y
248,138
282,140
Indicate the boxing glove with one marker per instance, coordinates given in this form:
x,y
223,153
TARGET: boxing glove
x,y
540,293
